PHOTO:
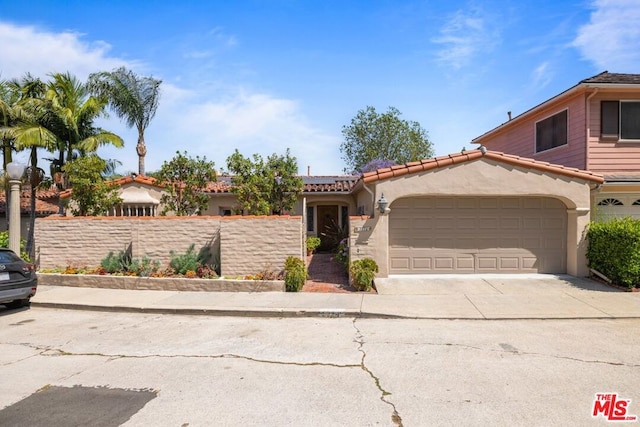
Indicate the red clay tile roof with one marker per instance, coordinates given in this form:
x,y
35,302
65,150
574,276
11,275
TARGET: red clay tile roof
x,y
466,156
221,186
312,184
48,206
141,179
329,184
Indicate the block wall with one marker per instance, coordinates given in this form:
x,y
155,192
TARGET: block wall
x,y
243,245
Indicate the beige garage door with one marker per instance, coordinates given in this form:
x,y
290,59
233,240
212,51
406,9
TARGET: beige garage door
x,y
477,235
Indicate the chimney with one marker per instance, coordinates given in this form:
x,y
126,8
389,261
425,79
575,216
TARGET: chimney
x,y
509,114
308,170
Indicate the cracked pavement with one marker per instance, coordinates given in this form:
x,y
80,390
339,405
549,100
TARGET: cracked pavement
x,y
319,371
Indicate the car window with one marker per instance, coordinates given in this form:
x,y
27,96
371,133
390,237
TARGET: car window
x,y
8,257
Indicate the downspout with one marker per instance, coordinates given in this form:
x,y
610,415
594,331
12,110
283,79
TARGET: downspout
x,y
587,121
373,198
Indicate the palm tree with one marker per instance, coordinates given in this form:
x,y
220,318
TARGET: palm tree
x,y
133,98
71,114
28,132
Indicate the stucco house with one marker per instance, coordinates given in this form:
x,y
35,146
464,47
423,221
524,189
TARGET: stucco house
x,y
477,211
326,201
595,126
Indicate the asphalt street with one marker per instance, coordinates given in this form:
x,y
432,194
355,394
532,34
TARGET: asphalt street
x,y
176,370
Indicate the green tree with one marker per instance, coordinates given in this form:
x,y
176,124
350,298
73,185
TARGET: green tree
x,y
185,180
29,133
72,111
385,136
264,188
133,98
92,195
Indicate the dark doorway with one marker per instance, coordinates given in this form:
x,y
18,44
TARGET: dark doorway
x,y
327,223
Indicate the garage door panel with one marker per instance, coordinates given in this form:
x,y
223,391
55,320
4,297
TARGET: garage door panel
x,y
509,242
471,223
511,223
444,202
553,223
444,263
489,263
478,234
510,203
532,223
422,264
510,263
490,223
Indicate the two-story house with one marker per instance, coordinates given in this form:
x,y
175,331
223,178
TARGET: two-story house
x,y
594,126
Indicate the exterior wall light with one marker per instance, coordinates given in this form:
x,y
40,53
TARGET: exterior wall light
x,y
382,204
15,171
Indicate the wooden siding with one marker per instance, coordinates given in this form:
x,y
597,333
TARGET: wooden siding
x,y
606,156
520,139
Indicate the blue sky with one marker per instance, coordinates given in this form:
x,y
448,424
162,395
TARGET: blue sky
x,y
263,76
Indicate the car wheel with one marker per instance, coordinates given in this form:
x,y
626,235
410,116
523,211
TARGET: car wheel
x,y
19,303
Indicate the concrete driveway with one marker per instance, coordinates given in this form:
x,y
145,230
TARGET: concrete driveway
x,y
506,296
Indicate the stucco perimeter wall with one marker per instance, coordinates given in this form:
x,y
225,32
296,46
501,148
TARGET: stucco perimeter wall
x,y
367,239
249,244
244,244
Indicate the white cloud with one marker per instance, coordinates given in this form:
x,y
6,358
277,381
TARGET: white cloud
x,y
205,120
465,36
542,75
611,38
28,49
254,123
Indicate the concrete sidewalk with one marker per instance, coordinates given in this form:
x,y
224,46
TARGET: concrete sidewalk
x,y
433,297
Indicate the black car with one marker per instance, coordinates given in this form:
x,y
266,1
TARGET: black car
x,y
18,280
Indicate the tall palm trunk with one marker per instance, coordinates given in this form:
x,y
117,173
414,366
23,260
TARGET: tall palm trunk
x,y
6,159
141,149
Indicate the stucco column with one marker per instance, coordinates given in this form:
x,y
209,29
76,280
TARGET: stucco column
x,y
577,222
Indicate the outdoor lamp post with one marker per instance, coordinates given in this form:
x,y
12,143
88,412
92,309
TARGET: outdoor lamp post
x,y
15,171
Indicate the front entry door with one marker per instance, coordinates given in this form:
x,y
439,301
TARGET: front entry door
x,y
327,223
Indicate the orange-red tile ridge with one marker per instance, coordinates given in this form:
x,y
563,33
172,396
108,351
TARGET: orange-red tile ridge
x,y
465,156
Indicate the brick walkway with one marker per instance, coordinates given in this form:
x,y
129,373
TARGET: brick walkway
x,y
327,275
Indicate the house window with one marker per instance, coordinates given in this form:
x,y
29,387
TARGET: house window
x,y
309,219
610,202
551,132
344,213
620,119
636,203
224,211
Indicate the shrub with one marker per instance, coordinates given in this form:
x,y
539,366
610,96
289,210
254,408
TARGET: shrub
x,y
335,234
145,267
295,274
267,273
206,272
115,263
342,253
313,243
189,261
614,250
4,243
362,273
123,263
